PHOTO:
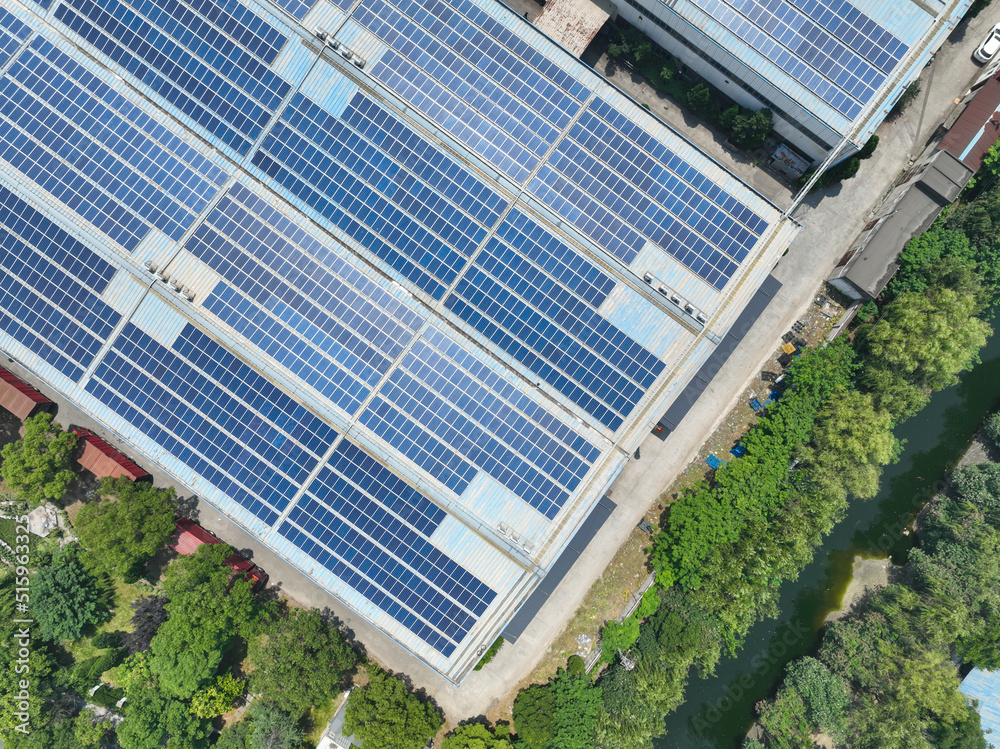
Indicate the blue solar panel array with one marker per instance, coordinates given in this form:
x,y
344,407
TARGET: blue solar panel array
x,y
329,323
409,204
13,32
210,60
536,298
453,416
474,77
370,529
50,287
215,414
829,46
98,153
622,187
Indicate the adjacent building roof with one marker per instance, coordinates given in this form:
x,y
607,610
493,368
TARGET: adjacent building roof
x,y
937,186
397,285
977,128
572,23
19,397
984,686
101,459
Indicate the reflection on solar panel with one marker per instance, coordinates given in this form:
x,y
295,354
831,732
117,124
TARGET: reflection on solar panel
x,y
475,78
50,286
215,72
327,322
123,176
214,413
382,197
831,47
622,188
12,33
452,415
370,529
299,8
547,327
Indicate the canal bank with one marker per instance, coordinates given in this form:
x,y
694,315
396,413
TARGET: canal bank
x,y
719,710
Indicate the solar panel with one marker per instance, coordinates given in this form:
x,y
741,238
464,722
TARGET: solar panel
x,y
215,414
623,188
214,71
405,201
453,416
329,323
13,32
98,153
514,300
299,8
371,530
830,47
474,77
50,287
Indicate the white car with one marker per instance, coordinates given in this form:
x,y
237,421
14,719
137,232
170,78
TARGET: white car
x,y
990,46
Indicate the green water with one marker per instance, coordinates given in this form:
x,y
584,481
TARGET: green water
x,y
718,711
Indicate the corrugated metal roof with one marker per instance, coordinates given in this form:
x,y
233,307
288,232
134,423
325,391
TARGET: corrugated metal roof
x,y
101,459
598,516
19,397
978,127
985,686
683,403
572,23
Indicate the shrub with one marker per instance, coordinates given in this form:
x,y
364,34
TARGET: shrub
x,y
869,148
992,428
751,130
576,665
488,655
699,99
107,640
910,93
107,697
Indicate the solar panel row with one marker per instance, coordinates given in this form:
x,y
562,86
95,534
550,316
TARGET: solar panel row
x,y
97,152
215,414
401,572
844,67
549,330
338,331
50,286
452,415
13,32
191,63
385,200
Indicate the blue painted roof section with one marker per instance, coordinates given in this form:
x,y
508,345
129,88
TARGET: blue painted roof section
x,y
984,686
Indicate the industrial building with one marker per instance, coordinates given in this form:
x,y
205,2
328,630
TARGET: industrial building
x,y
398,286
829,70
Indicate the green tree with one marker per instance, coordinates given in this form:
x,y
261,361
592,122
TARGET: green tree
x,y
477,736
300,661
384,714
851,442
188,647
534,715
826,695
992,429
869,148
785,721
126,527
155,720
699,98
65,598
751,129
577,703
615,635
218,698
922,342
272,728
37,466
89,731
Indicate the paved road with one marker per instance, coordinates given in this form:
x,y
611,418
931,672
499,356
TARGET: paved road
x,y
829,224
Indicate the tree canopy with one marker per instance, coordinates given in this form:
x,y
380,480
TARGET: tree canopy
x,y
154,719
384,714
126,527
477,736
37,465
65,597
206,610
300,661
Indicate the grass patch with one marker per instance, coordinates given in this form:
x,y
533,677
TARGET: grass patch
x,y
320,717
121,618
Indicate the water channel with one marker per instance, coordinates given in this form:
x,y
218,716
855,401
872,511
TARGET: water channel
x,y
719,710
